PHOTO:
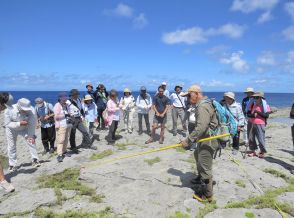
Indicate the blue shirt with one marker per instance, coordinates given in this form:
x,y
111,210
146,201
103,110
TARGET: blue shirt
x,y
42,112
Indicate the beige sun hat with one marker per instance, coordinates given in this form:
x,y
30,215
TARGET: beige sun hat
x,y
230,95
88,98
249,89
24,104
258,94
193,88
127,90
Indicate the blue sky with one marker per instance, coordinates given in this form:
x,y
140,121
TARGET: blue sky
x,y
221,45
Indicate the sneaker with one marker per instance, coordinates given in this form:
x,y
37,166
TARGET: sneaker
x,y
36,163
59,158
140,132
8,187
252,154
149,141
12,169
174,134
74,150
261,155
234,151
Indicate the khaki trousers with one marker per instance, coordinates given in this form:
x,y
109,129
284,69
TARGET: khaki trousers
x,y
62,139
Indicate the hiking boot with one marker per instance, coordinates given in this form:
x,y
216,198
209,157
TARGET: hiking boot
x,y
12,169
261,155
196,180
59,158
8,187
252,154
149,141
36,163
234,152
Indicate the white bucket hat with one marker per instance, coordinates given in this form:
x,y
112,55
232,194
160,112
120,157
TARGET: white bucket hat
x,y
249,90
230,95
88,98
164,83
24,104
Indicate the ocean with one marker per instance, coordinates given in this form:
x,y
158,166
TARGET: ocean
x,y
278,100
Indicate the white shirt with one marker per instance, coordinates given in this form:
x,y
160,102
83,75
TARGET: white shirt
x,y
127,103
177,100
73,110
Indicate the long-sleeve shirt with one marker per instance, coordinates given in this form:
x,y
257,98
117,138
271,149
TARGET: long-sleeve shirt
x,y
236,111
90,112
113,111
13,117
59,115
144,104
177,100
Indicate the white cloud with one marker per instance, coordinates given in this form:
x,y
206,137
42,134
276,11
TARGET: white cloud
x,y
289,7
198,35
189,36
236,62
289,65
247,6
266,58
265,17
216,83
121,10
140,21
261,81
289,33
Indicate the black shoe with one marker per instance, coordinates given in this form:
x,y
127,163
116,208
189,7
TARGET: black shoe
x,y
74,150
196,180
59,158
51,151
174,134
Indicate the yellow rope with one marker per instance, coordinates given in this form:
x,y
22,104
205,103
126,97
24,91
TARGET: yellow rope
x,y
89,165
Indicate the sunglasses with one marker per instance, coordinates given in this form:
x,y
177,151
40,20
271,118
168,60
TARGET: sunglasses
x,y
256,97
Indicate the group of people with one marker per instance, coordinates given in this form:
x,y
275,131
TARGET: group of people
x,y
80,112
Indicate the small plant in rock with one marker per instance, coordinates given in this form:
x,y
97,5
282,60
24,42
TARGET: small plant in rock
x,y
209,207
249,215
240,183
179,214
4,161
180,149
152,161
101,155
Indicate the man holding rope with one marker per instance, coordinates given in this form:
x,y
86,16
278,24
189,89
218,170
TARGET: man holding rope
x,y
205,122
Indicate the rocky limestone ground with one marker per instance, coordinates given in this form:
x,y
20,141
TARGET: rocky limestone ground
x,y
152,185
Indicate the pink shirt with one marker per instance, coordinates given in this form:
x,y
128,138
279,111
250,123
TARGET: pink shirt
x,y
258,119
113,111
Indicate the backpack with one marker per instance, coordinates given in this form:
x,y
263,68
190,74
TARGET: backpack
x,y
226,122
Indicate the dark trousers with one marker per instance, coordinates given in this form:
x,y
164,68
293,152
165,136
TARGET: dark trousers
x,y
146,118
48,136
236,141
100,118
292,130
78,124
112,130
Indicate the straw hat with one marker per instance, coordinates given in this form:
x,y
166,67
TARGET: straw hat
x,y
193,88
88,98
249,90
24,104
258,94
127,90
230,95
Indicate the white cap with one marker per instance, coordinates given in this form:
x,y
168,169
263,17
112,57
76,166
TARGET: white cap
x,y
164,83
